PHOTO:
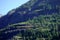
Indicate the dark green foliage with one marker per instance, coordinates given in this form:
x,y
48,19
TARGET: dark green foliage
x,y
42,15
45,27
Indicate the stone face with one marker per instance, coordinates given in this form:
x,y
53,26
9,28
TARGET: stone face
x,y
29,10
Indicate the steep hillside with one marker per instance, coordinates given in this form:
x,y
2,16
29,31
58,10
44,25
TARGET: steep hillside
x,y
34,20
29,10
43,27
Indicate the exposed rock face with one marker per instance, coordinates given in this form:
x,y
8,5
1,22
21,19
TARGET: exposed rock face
x,y
29,10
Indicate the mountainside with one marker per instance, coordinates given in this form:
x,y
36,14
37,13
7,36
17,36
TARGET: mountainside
x,y
34,20
29,10
43,27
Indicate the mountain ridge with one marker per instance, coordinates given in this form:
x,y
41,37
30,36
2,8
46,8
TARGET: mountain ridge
x,y
42,17
29,10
